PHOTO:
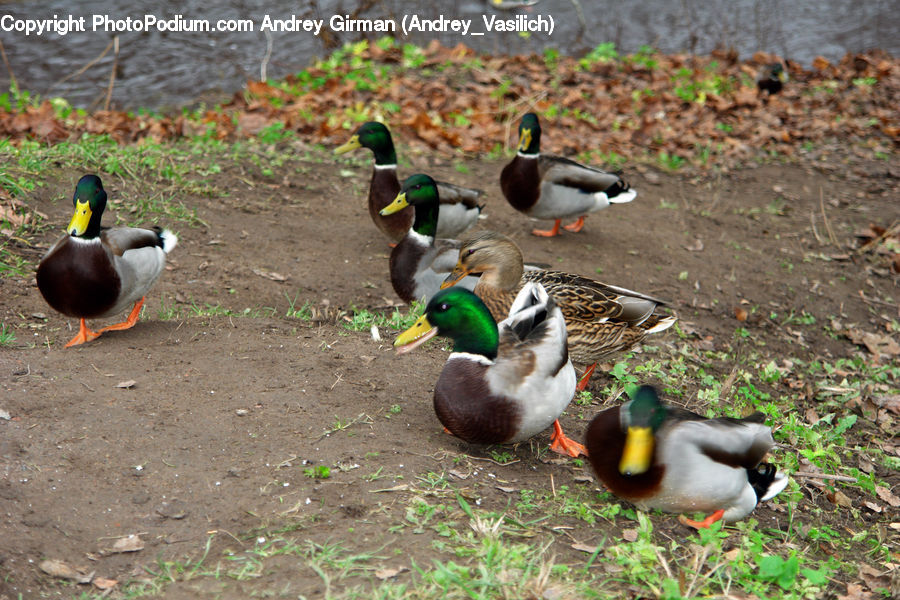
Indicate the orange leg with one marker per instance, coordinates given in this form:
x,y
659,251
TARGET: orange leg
x,y
576,226
548,232
84,335
563,445
583,382
130,321
705,523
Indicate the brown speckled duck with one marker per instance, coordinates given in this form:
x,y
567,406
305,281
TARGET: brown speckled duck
x,y
546,186
94,272
459,205
601,319
503,383
667,458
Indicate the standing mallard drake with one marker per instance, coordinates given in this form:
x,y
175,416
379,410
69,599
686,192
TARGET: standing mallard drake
x,y
546,186
658,456
771,79
505,383
94,272
459,205
602,320
419,262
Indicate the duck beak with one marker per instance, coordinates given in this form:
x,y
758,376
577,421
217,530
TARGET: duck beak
x,y
397,205
458,272
524,140
420,332
80,220
638,451
783,76
351,144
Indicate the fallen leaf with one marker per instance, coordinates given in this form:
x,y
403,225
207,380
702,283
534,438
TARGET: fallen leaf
x,y
270,275
855,592
740,314
630,535
887,495
697,246
875,343
57,568
584,547
506,490
126,384
101,583
841,499
872,506
131,543
383,574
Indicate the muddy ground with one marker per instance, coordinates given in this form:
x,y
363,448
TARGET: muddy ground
x,y
225,412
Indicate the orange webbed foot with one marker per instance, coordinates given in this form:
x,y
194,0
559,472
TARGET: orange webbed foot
x,y
563,445
583,382
130,321
576,226
547,232
84,335
705,523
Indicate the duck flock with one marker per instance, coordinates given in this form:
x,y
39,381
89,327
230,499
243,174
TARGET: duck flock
x,y
516,328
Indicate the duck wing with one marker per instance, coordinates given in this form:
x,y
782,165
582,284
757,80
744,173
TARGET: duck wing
x,y
566,172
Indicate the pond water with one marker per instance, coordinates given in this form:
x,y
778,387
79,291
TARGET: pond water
x,y
168,69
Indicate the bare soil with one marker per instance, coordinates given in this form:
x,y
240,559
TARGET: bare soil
x,y
226,412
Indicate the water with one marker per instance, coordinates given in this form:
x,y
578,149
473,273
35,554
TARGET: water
x,y
164,70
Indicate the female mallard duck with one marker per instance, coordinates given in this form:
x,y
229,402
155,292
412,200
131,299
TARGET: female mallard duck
x,y
459,205
545,186
658,456
772,78
601,319
503,383
95,272
419,262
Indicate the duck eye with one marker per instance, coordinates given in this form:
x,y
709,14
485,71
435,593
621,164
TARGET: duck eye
x,y
470,252
444,306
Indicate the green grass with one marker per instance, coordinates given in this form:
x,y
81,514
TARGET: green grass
x,y
7,336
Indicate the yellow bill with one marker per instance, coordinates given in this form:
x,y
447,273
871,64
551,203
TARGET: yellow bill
x,y
420,332
80,220
524,140
638,452
397,205
351,144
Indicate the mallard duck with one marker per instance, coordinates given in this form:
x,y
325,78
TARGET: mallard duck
x,y
772,78
546,186
94,272
502,383
602,320
419,263
658,456
459,205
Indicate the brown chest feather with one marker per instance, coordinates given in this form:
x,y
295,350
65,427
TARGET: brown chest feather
x,y
79,280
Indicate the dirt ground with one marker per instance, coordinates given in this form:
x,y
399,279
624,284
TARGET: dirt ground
x,y
225,412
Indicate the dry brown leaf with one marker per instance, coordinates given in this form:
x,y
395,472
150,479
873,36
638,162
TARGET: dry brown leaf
x,y
131,543
383,574
57,568
101,583
584,547
630,535
887,495
875,343
856,592
271,275
740,314
841,499
126,384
